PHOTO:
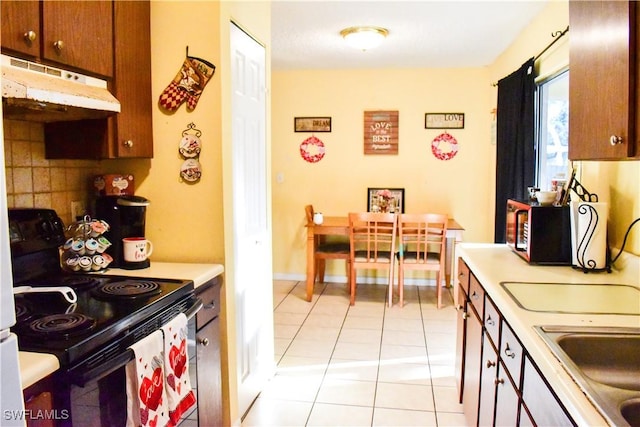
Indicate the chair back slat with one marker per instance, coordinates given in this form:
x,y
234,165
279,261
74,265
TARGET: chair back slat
x,y
372,236
422,244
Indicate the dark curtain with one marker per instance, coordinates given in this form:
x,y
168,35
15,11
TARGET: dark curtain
x,y
515,157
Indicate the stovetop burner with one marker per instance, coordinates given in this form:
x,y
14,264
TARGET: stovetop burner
x,y
23,310
128,289
62,325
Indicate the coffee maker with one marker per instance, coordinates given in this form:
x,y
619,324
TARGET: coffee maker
x,y
126,218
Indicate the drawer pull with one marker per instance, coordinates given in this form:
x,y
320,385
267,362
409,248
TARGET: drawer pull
x,y
58,45
509,353
210,306
490,363
204,342
615,140
490,321
499,381
474,295
30,36
465,315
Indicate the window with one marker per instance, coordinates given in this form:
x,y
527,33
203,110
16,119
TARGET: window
x,y
552,130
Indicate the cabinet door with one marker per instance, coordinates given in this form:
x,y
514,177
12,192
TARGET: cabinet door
x,y
488,382
506,399
21,27
472,354
602,58
79,34
461,329
132,83
209,374
544,407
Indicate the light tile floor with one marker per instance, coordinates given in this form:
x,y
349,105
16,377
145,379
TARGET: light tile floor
x,y
365,365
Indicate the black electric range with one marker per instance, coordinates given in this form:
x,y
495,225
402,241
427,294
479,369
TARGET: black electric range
x,y
110,314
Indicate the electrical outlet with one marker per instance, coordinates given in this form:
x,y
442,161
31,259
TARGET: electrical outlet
x,y
77,209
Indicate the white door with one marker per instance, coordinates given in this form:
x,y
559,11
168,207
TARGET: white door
x,y
252,228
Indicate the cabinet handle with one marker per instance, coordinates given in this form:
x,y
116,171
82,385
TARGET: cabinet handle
x,y
465,315
499,381
128,143
509,353
204,342
490,321
490,363
58,45
474,295
615,140
30,36
210,306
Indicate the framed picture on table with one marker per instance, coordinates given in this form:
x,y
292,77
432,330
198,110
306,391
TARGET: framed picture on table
x,y
385,200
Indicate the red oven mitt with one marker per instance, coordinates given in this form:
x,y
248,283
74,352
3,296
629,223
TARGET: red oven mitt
x,y
187,85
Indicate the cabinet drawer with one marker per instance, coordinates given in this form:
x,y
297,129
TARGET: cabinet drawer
x,y
476,295
463,275
210,295
492,321
511,352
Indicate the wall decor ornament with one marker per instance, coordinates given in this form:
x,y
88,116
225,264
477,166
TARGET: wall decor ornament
x,y
312,124
381,132
444,121
386,200
444,146
189,148
312,149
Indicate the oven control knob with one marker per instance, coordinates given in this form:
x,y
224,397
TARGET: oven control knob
x,y
204,341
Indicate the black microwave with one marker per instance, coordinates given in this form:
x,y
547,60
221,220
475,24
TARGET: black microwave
x,y
539,234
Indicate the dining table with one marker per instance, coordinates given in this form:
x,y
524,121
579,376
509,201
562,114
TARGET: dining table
x,y
339,226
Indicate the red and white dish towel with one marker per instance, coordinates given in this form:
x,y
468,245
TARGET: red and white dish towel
x,y
158,386
146,396
180,396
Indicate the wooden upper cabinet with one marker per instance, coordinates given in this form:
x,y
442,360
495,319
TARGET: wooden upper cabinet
x,y
21,27
74,35
133,129
79,34
128,134
602,80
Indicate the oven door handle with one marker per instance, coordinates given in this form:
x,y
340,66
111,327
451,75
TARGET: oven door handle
x,y
104,369
194,309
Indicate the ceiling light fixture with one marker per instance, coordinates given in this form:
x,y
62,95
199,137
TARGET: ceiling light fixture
x,y
364,38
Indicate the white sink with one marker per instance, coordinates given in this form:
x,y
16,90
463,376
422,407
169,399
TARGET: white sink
x,y
575,298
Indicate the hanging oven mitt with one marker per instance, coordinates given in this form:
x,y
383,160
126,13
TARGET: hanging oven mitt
x,y
188,84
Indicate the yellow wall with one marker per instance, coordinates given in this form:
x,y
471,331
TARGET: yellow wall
x,y
461,187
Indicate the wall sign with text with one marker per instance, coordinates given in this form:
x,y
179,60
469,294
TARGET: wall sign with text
x,y
381,132
444,121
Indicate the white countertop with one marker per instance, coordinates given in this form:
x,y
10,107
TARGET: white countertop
x,y
36,366
493,264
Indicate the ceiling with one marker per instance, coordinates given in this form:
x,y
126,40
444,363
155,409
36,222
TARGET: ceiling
x,y
422,34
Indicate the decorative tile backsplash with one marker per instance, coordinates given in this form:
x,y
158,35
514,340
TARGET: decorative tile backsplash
x,y
33,181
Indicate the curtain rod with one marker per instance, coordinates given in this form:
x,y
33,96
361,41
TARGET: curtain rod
x,y
557,35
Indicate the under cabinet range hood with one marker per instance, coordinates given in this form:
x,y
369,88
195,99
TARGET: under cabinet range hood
x,y
37,92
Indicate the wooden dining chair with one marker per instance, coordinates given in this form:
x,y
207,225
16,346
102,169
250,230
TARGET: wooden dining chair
x,y
373,241
422,247
325,250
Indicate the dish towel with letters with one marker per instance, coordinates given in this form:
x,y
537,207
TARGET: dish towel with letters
x,y
180,396
146,395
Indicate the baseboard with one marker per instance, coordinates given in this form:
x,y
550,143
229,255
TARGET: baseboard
x,y
364,280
